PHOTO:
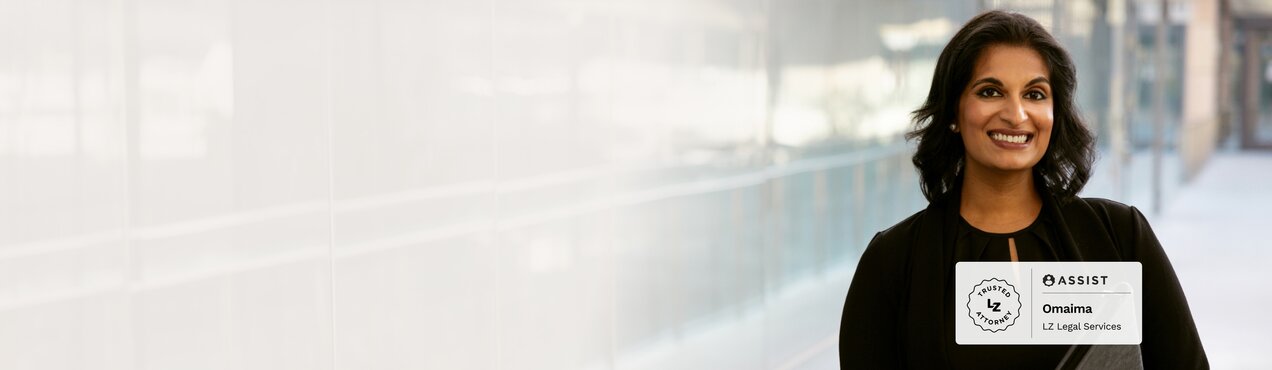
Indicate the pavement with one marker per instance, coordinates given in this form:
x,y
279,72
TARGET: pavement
x,y
1212,230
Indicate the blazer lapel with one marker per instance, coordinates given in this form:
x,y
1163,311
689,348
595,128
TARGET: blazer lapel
x,y
1067,246
931,273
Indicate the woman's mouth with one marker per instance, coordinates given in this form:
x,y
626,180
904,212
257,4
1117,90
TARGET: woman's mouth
x,y
1011,140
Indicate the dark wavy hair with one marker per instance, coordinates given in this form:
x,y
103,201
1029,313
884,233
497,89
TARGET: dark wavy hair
x,y
1066,166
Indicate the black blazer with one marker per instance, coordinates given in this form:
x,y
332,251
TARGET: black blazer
x,y
902,291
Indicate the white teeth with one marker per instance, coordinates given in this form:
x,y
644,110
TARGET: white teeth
x,y
1009,138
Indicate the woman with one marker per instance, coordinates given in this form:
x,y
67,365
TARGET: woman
x,y
1002,153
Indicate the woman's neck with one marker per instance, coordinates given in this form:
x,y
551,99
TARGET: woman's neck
x,y
999,202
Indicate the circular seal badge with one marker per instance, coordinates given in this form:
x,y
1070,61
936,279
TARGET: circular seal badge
x,y
993,305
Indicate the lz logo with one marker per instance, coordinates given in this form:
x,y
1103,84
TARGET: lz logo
x,y
1002,305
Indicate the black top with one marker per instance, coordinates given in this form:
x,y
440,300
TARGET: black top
x,y
1033,243
899,309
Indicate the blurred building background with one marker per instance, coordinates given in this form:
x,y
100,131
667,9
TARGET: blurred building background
x,y
517,184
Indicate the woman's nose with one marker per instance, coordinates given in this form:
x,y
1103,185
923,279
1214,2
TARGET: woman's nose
x,y
1014,112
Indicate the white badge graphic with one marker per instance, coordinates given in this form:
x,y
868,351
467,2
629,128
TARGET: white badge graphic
x,y
1048,303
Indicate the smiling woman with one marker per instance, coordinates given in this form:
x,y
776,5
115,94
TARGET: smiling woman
x,y
1002,153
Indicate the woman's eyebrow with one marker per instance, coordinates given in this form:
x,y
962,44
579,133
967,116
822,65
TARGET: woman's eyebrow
x,y
1037,80
990,80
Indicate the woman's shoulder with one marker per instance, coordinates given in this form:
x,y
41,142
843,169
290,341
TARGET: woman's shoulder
x,y
892,243
1126,225
885,257
902,231
1110,212
1107,205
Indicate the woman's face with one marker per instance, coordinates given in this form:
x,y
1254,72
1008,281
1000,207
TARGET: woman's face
x,y
1005,113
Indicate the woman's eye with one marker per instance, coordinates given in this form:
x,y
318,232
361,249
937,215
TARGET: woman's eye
x,y
989,93
1035,95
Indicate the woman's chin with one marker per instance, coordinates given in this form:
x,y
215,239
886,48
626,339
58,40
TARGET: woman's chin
x,y
1012,166
1015,167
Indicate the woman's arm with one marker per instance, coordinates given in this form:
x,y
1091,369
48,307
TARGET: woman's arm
x,y
1170,336
869,330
